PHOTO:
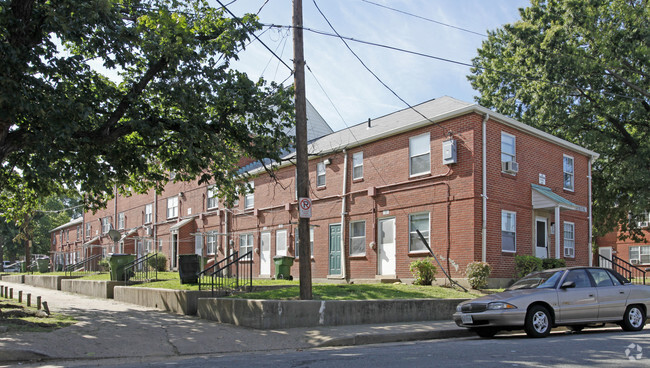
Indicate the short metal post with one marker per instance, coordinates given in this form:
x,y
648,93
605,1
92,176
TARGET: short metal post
x,y
20,296
29,299
2,291
38,302
45,308
11,293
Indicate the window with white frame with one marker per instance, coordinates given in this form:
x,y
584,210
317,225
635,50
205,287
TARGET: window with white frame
x,y
249,199
418,221
79,232
211,242
89,228
148,213
640,254
568,172
357,165
569,239
281,243
420,154
106,224
245,244
172,207
357,238
121,220
320,174
507,147
212,199
67,235
148,246
311,243
508,231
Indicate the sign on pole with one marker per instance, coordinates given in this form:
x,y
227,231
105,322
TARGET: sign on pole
x,y
304,206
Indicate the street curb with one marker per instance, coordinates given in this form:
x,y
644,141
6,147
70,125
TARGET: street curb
x,y
13,355
370,338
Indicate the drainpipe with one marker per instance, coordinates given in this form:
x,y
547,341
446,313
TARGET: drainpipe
x,y
484,191
589,251
343,213
154,221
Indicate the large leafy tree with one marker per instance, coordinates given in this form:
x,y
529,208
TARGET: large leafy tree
x,y
104,94
580,69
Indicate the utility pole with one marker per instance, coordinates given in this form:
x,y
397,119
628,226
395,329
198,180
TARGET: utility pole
x,y
301,151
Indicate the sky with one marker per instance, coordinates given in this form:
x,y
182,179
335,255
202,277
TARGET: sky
x,y
337,84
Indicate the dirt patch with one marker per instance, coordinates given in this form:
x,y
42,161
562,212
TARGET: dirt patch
x,y
15,317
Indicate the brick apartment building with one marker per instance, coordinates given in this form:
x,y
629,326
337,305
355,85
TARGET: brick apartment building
x,y
477,184
628,250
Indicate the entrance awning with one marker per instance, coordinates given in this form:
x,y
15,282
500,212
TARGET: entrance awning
x,y
181,223
128,233
544,197
91,241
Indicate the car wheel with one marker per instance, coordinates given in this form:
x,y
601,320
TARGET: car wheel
x,y
538,322
633,319
486,332
577,328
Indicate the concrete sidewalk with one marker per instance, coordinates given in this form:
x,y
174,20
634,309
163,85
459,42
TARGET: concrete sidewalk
x,y
110,329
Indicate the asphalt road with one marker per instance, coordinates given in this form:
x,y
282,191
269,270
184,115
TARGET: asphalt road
x,y
592,348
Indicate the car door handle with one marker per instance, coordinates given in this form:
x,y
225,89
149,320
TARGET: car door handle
x,y
621,292
591,295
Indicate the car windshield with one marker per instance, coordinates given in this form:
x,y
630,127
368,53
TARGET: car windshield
x,y
538,280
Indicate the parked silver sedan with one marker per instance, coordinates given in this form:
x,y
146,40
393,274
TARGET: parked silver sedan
x,y
576,297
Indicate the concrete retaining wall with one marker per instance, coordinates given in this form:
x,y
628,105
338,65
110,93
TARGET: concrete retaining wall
x,y
48,282
18,279
95,288
177,301
269,314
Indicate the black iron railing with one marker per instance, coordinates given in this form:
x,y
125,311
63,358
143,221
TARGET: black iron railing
x,y
142,269
88,265
231,274
631,272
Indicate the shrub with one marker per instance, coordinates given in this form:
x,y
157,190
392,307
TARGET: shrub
x,y
477,274
158,263
549,263
527,264
103,264
424,271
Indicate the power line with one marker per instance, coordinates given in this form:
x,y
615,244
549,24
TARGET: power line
x,y
426,19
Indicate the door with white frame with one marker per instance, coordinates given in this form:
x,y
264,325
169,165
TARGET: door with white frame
x,y
265,253
605,252
541,237
386,246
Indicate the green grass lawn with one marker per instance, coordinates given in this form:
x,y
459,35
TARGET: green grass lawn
x,y
17,317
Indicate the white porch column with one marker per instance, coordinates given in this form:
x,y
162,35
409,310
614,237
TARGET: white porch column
x,y
558,226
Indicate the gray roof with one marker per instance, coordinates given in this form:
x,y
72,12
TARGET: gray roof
x,y
316,125
77,221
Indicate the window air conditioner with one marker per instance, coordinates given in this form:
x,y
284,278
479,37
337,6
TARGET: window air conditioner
x,y
509,166
643,224
634,261
147,230
569,252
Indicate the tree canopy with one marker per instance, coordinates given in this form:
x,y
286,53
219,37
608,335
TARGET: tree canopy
x,y
580,70
104,94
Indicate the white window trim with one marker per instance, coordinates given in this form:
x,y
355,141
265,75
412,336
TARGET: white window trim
x,y
565,239
514,139
311,243
148,215
249,198
284,251
356,166
638,249
515,217
428,237
174,209
211,244
427,172
247,246
573,173
212,201
358,237
121,220
319,174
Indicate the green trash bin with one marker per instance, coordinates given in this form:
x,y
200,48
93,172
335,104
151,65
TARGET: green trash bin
x,y
283,267
117,263
188,268
43,265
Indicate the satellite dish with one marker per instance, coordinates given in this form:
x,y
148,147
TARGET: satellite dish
x,y
114,235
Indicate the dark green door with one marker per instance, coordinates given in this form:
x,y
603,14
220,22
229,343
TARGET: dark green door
x,y
335,249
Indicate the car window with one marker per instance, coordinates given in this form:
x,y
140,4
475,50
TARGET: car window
x,y
579,277
601,277
538,280
616,278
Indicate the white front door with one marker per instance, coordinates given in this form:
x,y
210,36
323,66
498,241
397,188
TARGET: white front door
x,y
265,253
607,253
386,246
541,238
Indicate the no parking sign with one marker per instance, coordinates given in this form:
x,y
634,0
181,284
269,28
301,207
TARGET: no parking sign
x,y
304,206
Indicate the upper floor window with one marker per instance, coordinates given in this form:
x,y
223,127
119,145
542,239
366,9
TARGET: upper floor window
x,y
320,174
357,238
507,147
148,213
212,198
569,239
357,165
418,221
508,231
89,227
640,254
249,199
420,154
79,232
172,207
121,220
568,172
106,224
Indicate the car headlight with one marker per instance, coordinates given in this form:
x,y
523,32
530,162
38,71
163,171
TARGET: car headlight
x,y
500,305
459,308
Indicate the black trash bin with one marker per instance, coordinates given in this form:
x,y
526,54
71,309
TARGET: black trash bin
x,y
188,268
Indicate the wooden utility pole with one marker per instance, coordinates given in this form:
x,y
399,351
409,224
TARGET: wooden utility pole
x,y
302,163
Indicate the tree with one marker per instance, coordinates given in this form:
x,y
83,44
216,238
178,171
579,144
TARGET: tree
x,y
580,70
165,100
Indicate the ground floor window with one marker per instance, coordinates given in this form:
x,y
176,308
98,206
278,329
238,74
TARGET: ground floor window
x,y
640,254
311,243
508,231
245,244
569,239
358,238
211,241
281,243
418,221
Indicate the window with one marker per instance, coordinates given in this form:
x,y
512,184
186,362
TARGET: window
x,y
106,224
148,245
418,221
120,220
507,147
172,207
213,201
569,239
211,241
54,239
508,231
579,277
420,155
281,243
602,278
640,254
148,213
358,238
79,232
320,174
311,243
568,173
89,227
62,237
245,244
67,235
249,200
357,165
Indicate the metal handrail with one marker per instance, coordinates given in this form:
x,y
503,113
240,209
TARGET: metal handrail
x,y
140,269
234,275
85,265
207,273
626,269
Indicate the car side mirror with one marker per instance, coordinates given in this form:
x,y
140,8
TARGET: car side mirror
x,y
568,285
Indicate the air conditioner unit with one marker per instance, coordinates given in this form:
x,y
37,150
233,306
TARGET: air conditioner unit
x,y
147,230
634,261
509,166
569,252
643,224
